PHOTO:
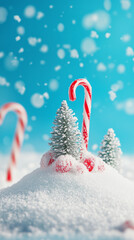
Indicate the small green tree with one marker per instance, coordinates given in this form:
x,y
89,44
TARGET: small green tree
x,y
110,151
66,137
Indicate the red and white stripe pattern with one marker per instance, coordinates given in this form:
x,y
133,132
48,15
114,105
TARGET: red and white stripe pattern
x,y
19,134
87,105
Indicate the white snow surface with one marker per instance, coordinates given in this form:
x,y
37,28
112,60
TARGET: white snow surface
x,y
68,204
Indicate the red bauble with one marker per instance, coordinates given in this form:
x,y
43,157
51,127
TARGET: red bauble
x,y
50,161
47,159
89,163
63,166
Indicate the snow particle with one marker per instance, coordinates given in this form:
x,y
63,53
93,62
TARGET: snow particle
x,y
37,100
61,53
21,59
57,68
21,50
60,27
3,15
121,68
95,61
81,64
26,136
44,48
111,65
66,46
42,62
51,6
1,54
39,15
129,51
99,20
3,82
11,62
88,46
74,53
112,95
33,118
20,30
127,106
125,4
94,34
107,4
17,38
94,147
20,87
29,11
117,86
73,21
45,137
33,41
46,95
17,18
101,67
70,76
29,128
107,35
125,38
53,85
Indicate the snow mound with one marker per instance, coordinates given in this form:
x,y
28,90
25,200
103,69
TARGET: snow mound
x,y
50,202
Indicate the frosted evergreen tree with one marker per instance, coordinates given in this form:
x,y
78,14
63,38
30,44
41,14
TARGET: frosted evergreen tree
x,y
110,150
66,137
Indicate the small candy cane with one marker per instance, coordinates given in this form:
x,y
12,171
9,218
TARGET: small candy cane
x,y
19,134
87,105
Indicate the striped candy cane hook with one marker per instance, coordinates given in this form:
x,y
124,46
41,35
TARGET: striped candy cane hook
x,y
87,105
19,134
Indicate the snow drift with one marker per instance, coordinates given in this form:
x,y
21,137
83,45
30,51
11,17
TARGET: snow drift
x,y
49,202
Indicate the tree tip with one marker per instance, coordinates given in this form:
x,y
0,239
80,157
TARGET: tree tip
x,y
110,130
64,103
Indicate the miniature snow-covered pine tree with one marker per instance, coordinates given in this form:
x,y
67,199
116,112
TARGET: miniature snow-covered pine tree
x,y
110,151
66,137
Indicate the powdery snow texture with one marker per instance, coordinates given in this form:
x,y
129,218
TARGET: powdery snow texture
x,y
53,203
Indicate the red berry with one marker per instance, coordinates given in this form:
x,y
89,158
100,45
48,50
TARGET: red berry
x,y
63,166
89,164
50,161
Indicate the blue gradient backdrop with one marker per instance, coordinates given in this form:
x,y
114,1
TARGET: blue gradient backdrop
x,y
110,50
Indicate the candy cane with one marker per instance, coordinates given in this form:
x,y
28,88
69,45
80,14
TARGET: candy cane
x,y
87,105
19,134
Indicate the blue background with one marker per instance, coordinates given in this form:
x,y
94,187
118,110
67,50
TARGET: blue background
x,y
104,112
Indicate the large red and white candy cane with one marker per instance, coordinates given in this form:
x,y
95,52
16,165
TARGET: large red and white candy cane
x,y
87,105
19,134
